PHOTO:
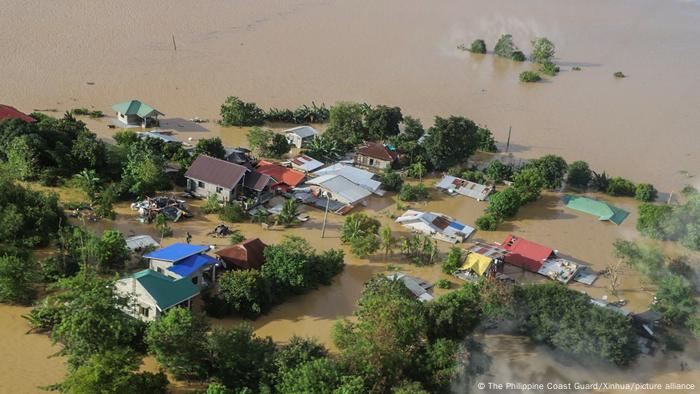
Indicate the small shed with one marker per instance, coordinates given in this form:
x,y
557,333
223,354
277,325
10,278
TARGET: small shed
x,y
600,209
141,242
248,254
305,163
421,289
136,113
301,135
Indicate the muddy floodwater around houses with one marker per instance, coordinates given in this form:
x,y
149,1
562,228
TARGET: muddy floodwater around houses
x,y
398,52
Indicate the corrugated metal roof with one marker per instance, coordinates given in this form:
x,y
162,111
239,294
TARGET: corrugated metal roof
x,y
525,254
176,252
466,188
302,131
356,175
135,107
191,264
281,174
306,163
338,185
216,171
602,210
165,291
140,242
435,223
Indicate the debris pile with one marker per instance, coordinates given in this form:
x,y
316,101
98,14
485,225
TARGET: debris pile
x,y
172,208
220,231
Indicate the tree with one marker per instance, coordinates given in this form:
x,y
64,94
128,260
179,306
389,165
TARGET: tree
x,y
346,124
209,147
552,168
27,218
383,122
620,187
498,172
652,218
416,170
360,231
450,141
125,137
89,182
289,267
92,319
391,180
144,171
297,352
160,222
549,68
528,182
420,249
504,46
246,292
542,50
105,202
529,76
324,148
413,193
485,141
21,158
478,46
645,192
239,358
504,204
454,315
600,181
267,143
326,265
111,251
113,372
518,56
178,340
235,112
387,240
321,375
648,260
579,174
413,128
290,211
17,278
453,261
487,222
675,300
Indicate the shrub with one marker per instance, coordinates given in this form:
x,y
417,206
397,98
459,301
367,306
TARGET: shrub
x,y
576,68
579,174
504,46
453,261
485,140
518,56
542,50
504,204
549,68
443,284
232,212
211,205
652,220
413,193
645,192
529,76
619,74
391,180
235,112
620,187
487,222
473,176
498,172
478,46
246,292
17,278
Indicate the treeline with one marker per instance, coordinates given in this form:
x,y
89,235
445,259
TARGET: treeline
x,y
543,51
236,112
680,222
291,267
548,172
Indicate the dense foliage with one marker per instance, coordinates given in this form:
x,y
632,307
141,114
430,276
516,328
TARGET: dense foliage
x,y
504,46
451,141
504,204
236,112
410,192
529,76
672,222
247,292
361,231
542,50
27,218
301,115
579,174
18,275
478,46
391,180
267,143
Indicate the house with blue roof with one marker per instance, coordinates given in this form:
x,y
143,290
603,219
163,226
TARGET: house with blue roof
x,y
181,260
151,294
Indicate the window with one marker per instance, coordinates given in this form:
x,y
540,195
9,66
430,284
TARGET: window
x,y
371,162
219,189
195,280
200,184
144,311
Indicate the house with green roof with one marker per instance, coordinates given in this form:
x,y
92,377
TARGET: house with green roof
x,y
600,209
151,293
134,113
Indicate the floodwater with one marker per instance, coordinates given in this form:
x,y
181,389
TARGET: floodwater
x,y
66,54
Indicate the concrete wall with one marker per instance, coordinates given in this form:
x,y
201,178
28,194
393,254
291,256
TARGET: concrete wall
x,y
371,162
138,297
210,189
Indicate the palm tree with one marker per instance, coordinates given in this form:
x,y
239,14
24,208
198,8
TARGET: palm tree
x,y
289,213
259,216
387,240
418,168
89,182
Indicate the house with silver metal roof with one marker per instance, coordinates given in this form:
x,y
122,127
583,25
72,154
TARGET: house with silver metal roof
x,y
453,185
301,135
340,188
436,225
358,176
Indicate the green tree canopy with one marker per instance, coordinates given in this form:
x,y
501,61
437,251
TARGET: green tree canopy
x,y
552,168
18,275
528,182
504,46
236,112
451,141
498,172
383,122
246,291
210,147
478,46
346,124
542,50
27,218
360,231
111,252
579,175
504,204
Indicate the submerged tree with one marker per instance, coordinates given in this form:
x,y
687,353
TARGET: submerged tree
x,y
542,50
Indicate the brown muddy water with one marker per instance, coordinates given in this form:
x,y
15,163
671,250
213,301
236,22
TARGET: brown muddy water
x,y
399,52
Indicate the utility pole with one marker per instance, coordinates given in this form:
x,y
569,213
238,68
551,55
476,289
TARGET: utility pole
x,y
325,215
508,142
174,45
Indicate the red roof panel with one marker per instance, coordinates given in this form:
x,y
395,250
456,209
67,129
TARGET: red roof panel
x,y
8,112
281,174
525,254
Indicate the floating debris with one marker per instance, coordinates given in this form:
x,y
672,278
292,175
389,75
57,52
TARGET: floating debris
x,y
172,208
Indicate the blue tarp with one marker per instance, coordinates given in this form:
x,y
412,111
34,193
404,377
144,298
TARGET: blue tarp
x,y
176,252
190,265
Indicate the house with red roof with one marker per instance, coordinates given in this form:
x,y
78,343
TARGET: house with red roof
x,y
526,254
248,254
8,112
375,156
284,178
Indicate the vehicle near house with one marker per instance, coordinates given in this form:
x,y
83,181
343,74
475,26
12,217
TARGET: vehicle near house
x,y
301,135
375,156
151,294
181,260
134,113
436,225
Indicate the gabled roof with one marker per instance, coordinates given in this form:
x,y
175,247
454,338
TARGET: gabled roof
x,y
135,107
302,131
477,263
176,252
339,186
526,254
140,242
281,174
377,151
434,223
165,291
247,254
306,163
256,181
216,171
466,188
356,175
191,264
602,210
9,112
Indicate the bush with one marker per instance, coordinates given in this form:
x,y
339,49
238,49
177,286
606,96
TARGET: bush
x,y
652,220
504,46
17,279
413,193
498,172
391,180
529,76
478,46
455,314
518,56
453,261
485,140
487,222
443,284
645,192
246,292
619,74
211,205
504,204
542,50
549,68
232,212
473,176
675,300
235,112
579,174
620,187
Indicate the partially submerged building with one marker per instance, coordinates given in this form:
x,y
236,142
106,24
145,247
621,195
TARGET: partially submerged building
x,y
227,181
163,135
421,289
482,260
240,156
597,208
283,178
436,225
249,254
375,156
8,112
339,188
181,260
134,113
305,163
533,257
453,185
139,243
151,294
301,135
365,179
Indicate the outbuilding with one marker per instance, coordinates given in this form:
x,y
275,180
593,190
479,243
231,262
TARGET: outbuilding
x,y
134,113
375,156
301,135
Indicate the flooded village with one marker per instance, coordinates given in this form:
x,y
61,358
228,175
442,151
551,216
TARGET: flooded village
x,y
171,87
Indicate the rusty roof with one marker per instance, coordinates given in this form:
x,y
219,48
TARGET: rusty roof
x,y
247,254
377,151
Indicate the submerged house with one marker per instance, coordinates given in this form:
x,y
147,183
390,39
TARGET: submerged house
x,y
436,225
600,209
482,260
240,156
249,254
421,289
181,260
141,242
375,156
453,185
8,112
151,294
283,178
339,188
305,163
539,259
227,181
301,135
365,179
136,113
